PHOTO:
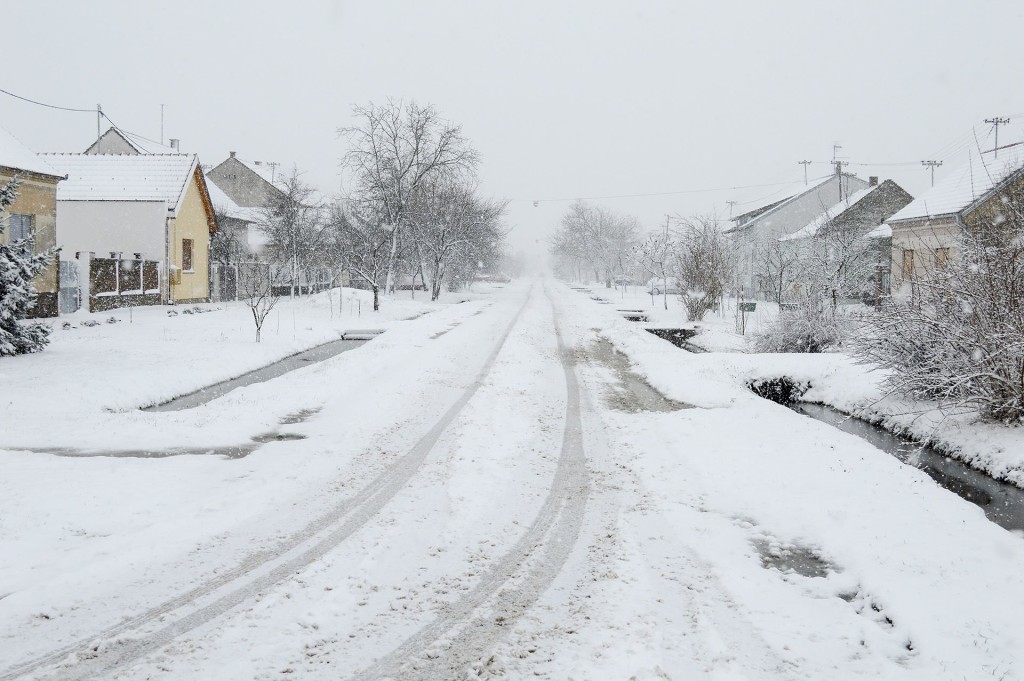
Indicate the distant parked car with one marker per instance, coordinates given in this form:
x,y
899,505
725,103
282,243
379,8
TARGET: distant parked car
x,y
660,285
622,281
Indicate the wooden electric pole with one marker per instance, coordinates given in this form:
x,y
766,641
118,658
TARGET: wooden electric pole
x,y
997,122
933,165
805,164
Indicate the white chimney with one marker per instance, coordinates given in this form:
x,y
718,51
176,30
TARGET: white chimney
x,y
175,143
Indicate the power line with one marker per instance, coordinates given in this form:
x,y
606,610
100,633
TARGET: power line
x,y
49,106
635,196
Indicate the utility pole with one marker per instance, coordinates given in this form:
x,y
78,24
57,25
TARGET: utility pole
x,y
997,121
933,165
99,115
805,164
835,147
733,203
162,123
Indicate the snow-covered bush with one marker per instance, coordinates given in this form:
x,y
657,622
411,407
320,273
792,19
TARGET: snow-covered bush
x,y
959,338
703,261
18,265
811,325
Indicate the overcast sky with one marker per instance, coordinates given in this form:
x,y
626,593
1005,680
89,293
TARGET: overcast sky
x,y
562,99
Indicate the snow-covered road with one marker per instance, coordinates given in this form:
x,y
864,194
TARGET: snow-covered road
x,y
479,493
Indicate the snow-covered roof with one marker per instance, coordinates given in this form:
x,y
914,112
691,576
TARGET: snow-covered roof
x,y
272,173
227,206
15,155
778,197
812,227
883,231
964,185
124,177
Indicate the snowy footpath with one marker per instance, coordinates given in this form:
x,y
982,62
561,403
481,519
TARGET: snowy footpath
x,y
487,490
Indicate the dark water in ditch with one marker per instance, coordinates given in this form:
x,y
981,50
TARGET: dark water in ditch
x,y
281,367
1002,502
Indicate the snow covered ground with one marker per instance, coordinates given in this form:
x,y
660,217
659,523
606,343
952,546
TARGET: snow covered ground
x,y
477,493
835,380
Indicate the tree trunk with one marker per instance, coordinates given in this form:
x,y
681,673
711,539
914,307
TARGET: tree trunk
x,y
376,299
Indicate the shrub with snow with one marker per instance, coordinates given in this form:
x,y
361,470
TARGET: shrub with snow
x,y
812,325
958,340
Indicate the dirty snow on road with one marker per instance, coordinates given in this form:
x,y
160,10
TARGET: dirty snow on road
x,y
494,490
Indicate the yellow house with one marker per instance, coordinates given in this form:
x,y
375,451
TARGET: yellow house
x,y
138,225
33,214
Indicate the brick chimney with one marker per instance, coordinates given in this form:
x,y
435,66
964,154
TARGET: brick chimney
x,y
232,154
873,180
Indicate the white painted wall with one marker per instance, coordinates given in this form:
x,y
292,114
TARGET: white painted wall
x,y
787,219
106,226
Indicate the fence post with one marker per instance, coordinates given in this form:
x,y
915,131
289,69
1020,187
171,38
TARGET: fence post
x,y
84,261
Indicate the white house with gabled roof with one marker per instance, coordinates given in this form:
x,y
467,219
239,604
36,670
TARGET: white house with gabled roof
x,y
927,232
138,207
785,212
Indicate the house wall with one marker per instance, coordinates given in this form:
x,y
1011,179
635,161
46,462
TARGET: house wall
x,y
1001,206
37,196
103,227
191,223
874,209
786,219
111,143
241,184
923,237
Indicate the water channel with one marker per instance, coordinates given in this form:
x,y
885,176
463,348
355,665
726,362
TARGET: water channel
x,y
1002,502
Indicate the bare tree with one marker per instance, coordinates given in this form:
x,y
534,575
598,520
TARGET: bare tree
x,y
777,267
703,261
365,241
256,286
596,238
293,225
449,220
395,149
653,255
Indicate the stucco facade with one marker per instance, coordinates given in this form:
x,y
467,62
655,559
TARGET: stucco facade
x,y
191,223
105,227
921,244
37,197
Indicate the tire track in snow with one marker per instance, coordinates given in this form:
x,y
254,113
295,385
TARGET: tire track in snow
x,y
517,580
124,643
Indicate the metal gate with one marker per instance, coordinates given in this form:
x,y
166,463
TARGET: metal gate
x,y
70,291
224,282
